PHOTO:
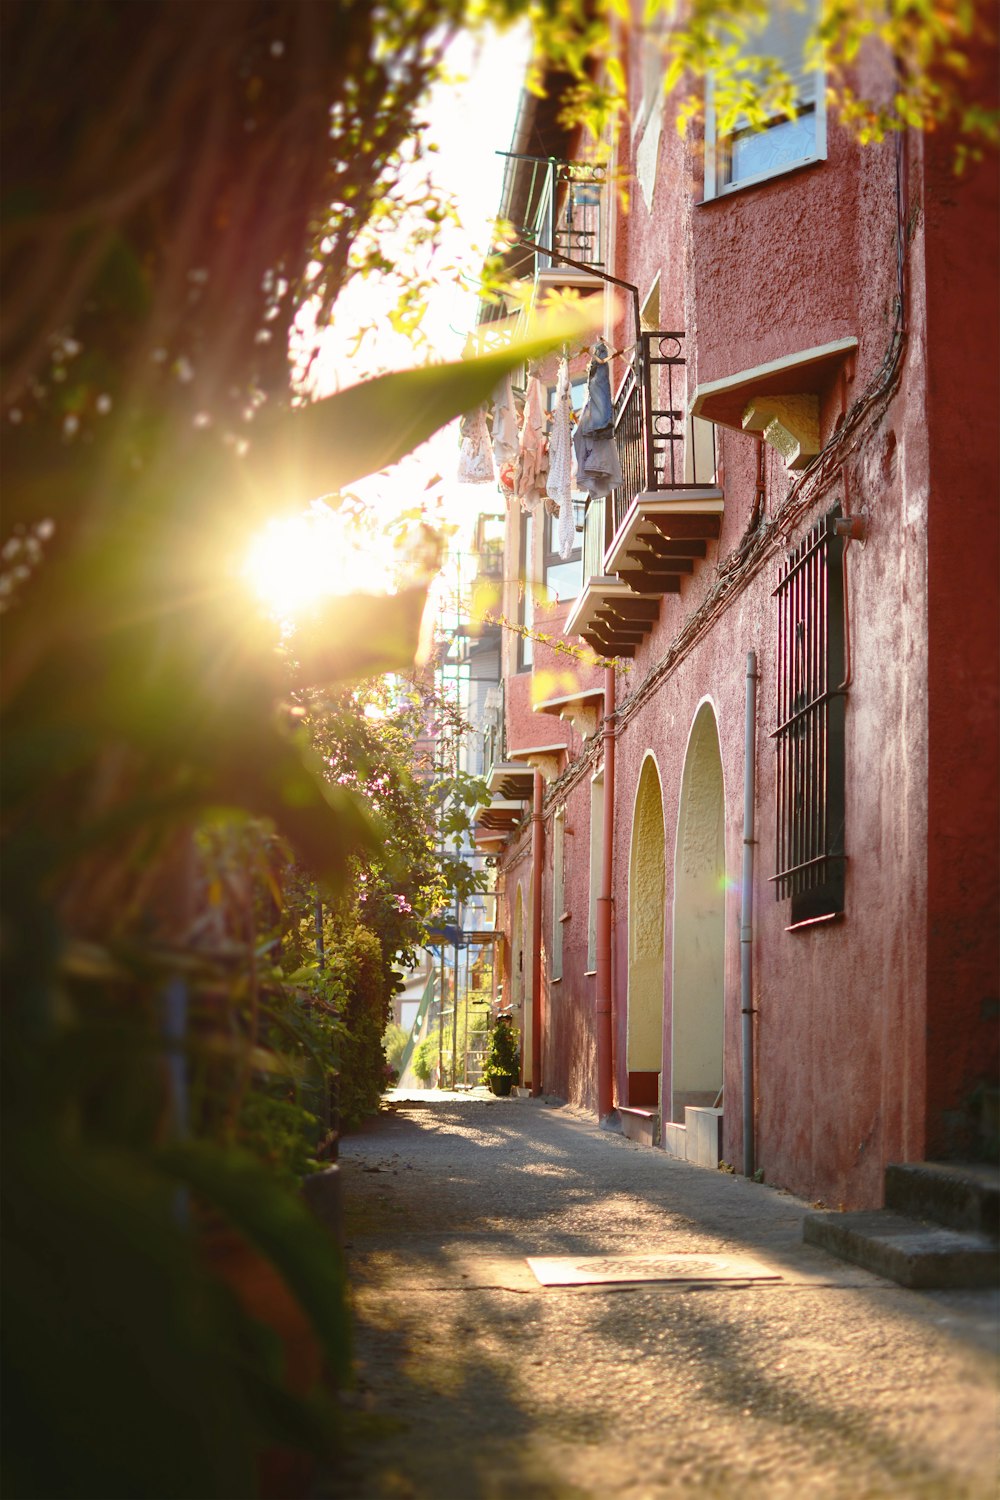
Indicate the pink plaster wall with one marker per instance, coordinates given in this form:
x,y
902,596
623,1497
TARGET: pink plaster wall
x,y
873,1031
963,669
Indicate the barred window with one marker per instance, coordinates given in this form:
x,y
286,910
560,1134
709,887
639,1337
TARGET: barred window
x,y
811,693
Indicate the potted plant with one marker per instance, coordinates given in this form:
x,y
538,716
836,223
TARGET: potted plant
x,y
503,1059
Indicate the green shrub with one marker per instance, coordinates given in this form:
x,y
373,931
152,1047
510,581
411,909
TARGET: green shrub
x,y
425,1058
503,1057
394,1044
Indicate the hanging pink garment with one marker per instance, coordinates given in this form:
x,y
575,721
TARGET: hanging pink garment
x,y
534,452
560,478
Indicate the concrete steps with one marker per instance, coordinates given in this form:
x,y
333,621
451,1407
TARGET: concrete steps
x,y
939,1227
698,1140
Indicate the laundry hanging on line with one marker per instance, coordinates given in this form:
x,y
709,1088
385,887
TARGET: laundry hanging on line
x,y
505,430
559,487
598,467
475,461
533,470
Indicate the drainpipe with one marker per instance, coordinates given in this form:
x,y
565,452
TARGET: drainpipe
x,y
537,864
746,915
605,1070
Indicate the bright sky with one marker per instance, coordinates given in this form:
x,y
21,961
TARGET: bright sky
x,y
470,120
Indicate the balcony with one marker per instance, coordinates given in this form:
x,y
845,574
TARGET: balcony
x,y
509,784
652,531
558,205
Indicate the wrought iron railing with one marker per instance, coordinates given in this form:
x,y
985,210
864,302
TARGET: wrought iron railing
x,y
564,204
659,447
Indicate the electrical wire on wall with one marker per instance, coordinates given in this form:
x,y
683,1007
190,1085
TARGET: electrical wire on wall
x,y
768,534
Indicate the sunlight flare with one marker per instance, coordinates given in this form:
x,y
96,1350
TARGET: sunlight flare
x,y
295,562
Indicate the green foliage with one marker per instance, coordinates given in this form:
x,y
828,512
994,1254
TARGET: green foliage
x,y
503,1056
936,66
356,969
153,744
425,1057
394,1044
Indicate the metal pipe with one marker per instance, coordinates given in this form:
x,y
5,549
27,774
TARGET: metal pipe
x,y
537,864
746,914
627,286
604,1016
454,1008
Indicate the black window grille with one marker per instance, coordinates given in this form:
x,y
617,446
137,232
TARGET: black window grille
x,y
811,692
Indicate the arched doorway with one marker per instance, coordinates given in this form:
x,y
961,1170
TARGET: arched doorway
x,y
699,943
644,1048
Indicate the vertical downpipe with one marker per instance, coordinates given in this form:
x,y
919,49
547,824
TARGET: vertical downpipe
x,y
604,1012
746,915
537,865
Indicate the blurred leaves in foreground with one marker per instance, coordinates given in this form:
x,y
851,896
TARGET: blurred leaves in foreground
x,y
179,181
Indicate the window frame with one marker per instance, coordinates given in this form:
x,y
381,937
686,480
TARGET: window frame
x,y
811,94
551,558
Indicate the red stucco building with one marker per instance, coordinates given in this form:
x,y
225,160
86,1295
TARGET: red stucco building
x,y
749,872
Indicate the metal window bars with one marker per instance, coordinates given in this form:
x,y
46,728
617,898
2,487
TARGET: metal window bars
x,y
810,773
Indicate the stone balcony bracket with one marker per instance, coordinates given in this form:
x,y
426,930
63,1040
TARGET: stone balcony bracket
x,y
544,758
789,424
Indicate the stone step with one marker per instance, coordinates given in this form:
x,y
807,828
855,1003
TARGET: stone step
x,y
704,1135
912,1251
641,1125
957,1195
675,1140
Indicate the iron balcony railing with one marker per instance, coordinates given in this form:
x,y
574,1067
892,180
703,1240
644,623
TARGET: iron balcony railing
x,y
563,209
659,447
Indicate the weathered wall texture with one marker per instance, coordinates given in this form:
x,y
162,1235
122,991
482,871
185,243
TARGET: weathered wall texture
x,y
873,1033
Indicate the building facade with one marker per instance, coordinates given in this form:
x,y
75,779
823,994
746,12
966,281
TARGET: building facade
x,y
745,805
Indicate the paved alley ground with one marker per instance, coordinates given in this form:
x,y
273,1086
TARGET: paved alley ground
x,y
475,1381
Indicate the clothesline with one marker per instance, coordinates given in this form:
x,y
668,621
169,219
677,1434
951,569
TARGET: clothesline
x,y
534,448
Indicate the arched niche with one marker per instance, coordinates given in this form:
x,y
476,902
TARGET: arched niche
x,y
644,1041
699,938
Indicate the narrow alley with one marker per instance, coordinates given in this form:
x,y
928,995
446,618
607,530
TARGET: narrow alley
x,y
805,1376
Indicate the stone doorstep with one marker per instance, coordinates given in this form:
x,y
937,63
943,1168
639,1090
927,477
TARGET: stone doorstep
x,y
953,1194
640,1125
703,1127
912,1252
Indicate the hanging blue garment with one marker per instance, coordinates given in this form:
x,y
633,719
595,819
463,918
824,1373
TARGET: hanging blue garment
x,y
598,413
598,468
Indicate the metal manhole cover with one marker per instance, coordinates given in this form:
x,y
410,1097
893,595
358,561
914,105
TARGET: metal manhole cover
x,y
593,1270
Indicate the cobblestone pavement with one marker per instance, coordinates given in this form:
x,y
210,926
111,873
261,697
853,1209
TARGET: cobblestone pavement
x,y
475,1382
